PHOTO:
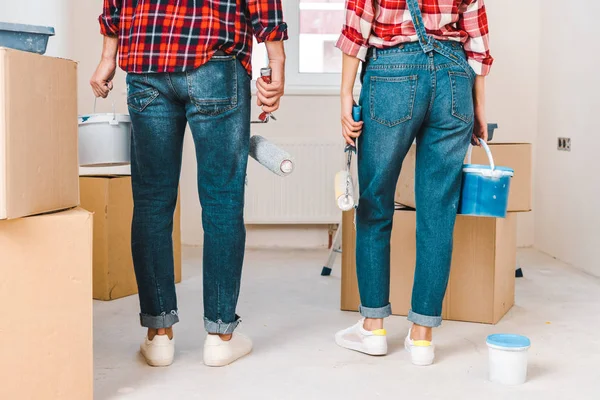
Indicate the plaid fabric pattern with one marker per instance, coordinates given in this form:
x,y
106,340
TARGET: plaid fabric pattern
x,y
387,23
182,35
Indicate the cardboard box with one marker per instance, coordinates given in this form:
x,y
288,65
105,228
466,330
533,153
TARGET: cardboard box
x,y
482,279
111,200
514,155
46,288
38,134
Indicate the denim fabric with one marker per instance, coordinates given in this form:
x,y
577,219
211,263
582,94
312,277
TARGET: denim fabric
x,y
410,94
215,101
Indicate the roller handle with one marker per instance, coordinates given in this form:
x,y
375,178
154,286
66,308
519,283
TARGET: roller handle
x,y
356,113
114,120
356,116
265,75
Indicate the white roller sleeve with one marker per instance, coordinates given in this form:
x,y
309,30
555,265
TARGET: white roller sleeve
x,y
344,190
270,156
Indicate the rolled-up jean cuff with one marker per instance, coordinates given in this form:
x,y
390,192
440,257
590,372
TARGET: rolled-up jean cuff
x,y
165,320
381,312
220,327
424,320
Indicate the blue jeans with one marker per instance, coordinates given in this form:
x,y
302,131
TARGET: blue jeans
x,y
215,101
406,95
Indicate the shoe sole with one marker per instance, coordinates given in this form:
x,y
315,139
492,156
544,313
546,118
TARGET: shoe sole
x,y
220,362
419,362
157,363
382,351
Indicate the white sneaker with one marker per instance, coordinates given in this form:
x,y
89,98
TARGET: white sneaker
x,y
158,352
359,339
218,352
422,352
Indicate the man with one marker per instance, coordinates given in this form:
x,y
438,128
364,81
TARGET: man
x,y
189,61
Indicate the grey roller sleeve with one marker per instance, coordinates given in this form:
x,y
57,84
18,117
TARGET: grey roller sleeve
x,y
270,156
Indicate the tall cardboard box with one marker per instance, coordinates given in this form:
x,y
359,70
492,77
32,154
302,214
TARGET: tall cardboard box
x,y
517,156
46,290
111,200
482,278
38,134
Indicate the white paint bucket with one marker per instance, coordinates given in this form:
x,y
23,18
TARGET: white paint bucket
x,y
104,140
508,358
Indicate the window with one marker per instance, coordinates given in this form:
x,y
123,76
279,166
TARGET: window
x,y
312,59
320,22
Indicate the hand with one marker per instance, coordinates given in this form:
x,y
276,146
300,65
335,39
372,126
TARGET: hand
x,y
101,81
269,94
350,128
480,130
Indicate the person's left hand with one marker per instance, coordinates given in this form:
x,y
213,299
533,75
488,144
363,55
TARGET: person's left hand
x,y
480,129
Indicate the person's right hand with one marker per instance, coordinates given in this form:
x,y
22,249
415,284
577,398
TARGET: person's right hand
x,y
480,130
101,81
268,93
350,129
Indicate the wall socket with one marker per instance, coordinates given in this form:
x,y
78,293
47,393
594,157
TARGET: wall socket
x,y
564,144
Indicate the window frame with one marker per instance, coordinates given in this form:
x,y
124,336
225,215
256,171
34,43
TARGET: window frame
x,y
303,83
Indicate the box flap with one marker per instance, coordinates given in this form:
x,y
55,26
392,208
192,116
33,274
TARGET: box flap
x,y
506,264
94,198
3,84
40,133
472,273
46,285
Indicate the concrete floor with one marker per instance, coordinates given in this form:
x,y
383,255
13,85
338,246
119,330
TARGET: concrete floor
x,y
292,313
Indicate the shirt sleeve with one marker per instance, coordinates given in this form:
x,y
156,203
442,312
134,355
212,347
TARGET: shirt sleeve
x,y
474,22
109,20
354,40
267,20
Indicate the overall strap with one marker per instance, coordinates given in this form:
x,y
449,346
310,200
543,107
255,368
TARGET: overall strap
x,y
425,40
429,44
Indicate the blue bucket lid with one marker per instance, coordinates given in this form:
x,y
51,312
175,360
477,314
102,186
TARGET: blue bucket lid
x,y
503,171
509,341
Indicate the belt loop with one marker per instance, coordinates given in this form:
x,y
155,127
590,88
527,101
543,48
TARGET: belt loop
x,y
374,53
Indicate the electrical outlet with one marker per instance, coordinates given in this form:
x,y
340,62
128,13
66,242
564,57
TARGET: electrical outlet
x,y
564,144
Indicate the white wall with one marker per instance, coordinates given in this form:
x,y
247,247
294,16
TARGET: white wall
x,y
568,186
512,87
55,13
512,102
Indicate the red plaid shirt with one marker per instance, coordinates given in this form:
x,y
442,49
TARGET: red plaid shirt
x,y
181,35
387,23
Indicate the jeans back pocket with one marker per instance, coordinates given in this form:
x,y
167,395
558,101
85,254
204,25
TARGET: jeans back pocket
x,y
140,92
213,87
462,96
392,99
140,100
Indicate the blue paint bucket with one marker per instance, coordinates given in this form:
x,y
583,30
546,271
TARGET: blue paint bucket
x,y
485,188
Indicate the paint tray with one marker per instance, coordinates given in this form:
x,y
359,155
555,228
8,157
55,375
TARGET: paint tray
x,y
31,38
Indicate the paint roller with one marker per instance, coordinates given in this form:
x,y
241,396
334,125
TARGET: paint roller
x,y
270,156
266,153
344,185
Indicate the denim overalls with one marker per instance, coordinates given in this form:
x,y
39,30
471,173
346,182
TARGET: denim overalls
x,y
423,91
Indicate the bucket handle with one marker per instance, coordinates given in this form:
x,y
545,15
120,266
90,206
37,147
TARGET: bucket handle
x,y
113,121
488,152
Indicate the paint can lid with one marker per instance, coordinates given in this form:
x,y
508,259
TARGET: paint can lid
x,y
508,341
486,170
103,117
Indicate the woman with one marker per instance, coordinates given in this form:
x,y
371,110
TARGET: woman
x,y
423,79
